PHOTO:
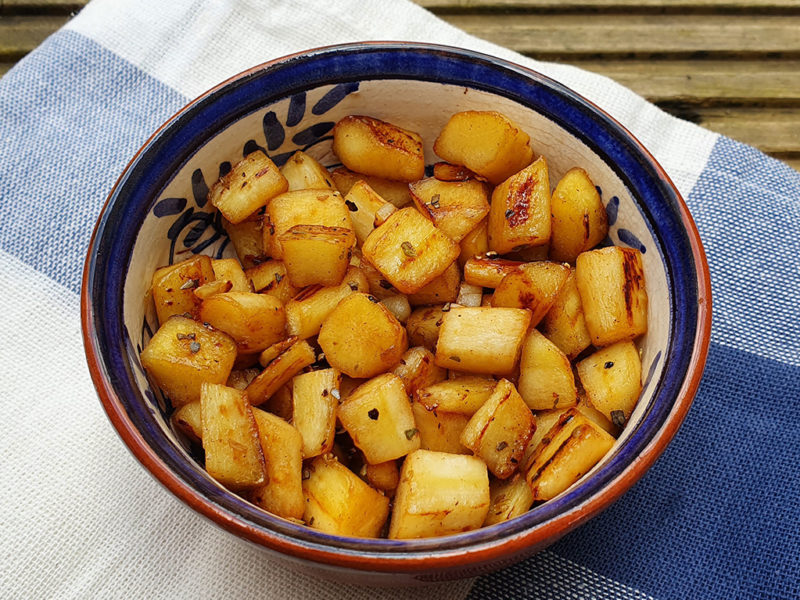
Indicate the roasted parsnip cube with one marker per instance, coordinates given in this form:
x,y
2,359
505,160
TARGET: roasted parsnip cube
x,y
440,290
612,289
489,272
564,324
510,498
316,255
378,417
296,358
173,287
307,310
579,219
439,494
338,502
463,395
423,326
409,251
378,285
282,494
218,286
612,379
315,403
230,438
469,295
270,278
485,142
534,286
571,448
302,172
446,172
239,379
384,476
303,207
454,207
398,305
439,431
281,403
247,240
361,338
417,369
183,354
363,203
545,420
249,185
545,375
255,321
189,420
275,350
482,339
395,192
595,416
378,148
520,213
475,243
500,429
229,269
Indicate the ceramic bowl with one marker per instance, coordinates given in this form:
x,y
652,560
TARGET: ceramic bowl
x,y
158,213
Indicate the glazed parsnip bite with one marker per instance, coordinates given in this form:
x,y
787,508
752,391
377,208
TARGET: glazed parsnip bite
x,y
247,240
303,207
612,379
254,321
364,203
417,369
409,250
482,339
463,395
423,326
486,142
306,311
302,172
579,220
395,192
338,502
500,429
316,255
454,207
229,269
277,373
489,272
248,186
612,289
183,354
361,338
545,374
438,430
230,438
270,278
173,287
378,148
571,448
520,210
282,493
378,417
314,414
534,286
510,498
439,494
565,324
439,291
475,243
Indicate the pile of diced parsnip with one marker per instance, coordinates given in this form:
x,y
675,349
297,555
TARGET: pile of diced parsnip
x,y
391,354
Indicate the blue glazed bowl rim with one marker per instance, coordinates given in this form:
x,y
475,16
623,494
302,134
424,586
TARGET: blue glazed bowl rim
x,y
173,144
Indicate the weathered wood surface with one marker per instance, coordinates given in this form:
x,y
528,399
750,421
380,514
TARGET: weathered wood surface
x,y
730,65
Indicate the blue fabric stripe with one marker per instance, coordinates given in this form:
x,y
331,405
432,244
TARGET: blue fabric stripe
x,y
73,103
747,209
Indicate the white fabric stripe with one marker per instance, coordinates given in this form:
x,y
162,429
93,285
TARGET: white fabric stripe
x,y
81,518
193,45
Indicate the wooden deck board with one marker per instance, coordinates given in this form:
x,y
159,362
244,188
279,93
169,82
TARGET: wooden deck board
x,y
21,34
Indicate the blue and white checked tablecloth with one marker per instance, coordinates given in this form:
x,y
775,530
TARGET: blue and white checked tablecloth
x,y
717,517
